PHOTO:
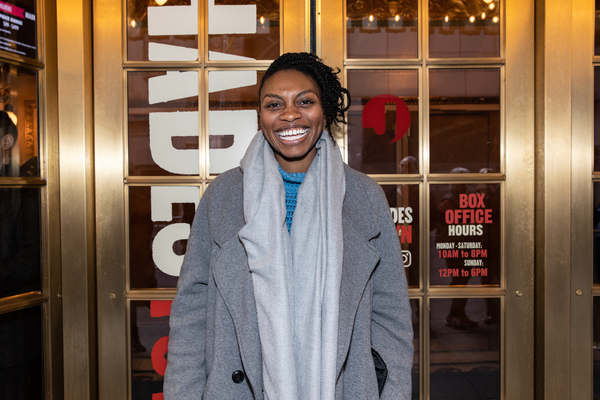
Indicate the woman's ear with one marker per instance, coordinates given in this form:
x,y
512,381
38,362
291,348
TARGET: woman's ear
x,y
7,141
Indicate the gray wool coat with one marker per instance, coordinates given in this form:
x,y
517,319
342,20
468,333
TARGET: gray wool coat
x,y
214,345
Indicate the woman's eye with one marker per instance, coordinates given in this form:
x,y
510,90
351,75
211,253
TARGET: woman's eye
x,y
306,101
272,105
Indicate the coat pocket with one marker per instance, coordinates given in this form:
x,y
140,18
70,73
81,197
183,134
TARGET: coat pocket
x,y
381,370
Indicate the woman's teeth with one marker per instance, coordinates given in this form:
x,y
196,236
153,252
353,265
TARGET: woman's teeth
x,y
292,134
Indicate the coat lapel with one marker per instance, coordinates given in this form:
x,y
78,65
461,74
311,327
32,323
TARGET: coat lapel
x,y
360,258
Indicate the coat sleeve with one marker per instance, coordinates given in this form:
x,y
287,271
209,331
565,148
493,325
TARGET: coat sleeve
x,y
185,376
391,326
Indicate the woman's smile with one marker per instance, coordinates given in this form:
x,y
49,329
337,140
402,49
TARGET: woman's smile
x,y
292,134
291,118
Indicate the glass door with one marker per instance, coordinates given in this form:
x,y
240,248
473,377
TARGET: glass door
x,y
30,310
177,106
434,121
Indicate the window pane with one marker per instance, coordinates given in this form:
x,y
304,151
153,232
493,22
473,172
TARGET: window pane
x,y
160,218
378,141
243,28
163,123
467,28
373,31
404,206
18,121
465,348
21,354
232,116
465,234
162,30
464,119
20,251
149,340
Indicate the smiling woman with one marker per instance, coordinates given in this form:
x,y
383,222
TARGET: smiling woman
x,y
291,118
292,285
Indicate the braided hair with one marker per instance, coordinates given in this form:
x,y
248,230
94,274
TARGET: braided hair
x,y
332,93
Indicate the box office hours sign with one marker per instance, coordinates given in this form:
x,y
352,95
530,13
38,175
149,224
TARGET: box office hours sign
x,y
18,27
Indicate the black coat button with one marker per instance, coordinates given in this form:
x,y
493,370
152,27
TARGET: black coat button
x,y
238,376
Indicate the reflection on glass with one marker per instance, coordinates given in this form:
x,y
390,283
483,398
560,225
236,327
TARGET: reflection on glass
x,y
464,246
169,34
163,123
159,221
18,122
243,28
382,30
404,206
20,250
21,356
464,28
149,335
414,305
384,149
464,119
465,351
232,116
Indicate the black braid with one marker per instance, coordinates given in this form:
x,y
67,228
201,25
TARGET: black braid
x,y
334,98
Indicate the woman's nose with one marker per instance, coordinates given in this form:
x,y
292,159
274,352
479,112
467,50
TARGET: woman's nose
x,y
290,113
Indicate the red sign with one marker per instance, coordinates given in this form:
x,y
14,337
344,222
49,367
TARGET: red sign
x,y
373,115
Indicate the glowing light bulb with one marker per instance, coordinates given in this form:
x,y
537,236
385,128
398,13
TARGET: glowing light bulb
x,y
262,20
12,116
482,15
492,6
487,1
472,19
133,23
371,18
160,2
397,18
495,19
446,18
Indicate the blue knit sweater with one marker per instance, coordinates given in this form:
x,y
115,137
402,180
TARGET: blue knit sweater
x,y
292,183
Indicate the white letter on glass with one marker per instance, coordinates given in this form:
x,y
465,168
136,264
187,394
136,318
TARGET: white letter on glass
x,y
168,52
242,125
162,248
172,86
164,126
163,198
173,20
226,19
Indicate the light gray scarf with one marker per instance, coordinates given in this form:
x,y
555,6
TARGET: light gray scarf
x,y
296,276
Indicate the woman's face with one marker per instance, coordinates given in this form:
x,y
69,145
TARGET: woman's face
x,y
291,118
